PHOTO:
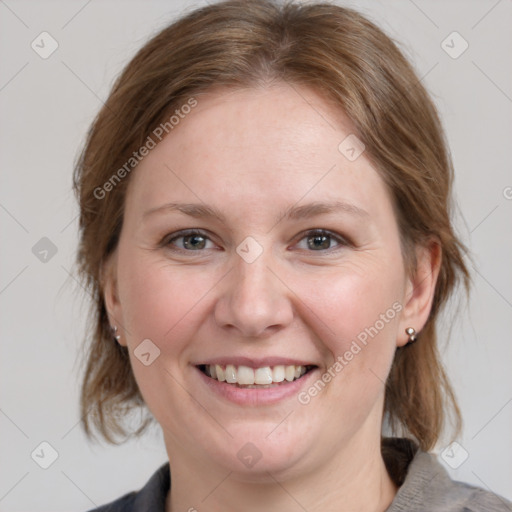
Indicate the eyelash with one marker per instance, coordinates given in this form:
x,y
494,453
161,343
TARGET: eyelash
x,y
343,242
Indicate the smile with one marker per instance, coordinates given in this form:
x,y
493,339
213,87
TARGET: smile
x,y
255,378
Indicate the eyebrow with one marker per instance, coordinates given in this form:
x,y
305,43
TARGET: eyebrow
x,y
198,210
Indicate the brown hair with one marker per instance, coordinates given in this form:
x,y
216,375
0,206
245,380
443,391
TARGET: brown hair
x,y
348,60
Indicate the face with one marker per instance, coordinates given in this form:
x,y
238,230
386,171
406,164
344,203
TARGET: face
x,y
259,283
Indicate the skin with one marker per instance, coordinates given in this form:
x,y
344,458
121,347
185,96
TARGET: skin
x,y
252,154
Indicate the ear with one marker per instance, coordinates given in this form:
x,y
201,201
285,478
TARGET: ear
x,y
108,277
420,288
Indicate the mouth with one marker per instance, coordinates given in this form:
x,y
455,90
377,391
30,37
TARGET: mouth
x,y
255,378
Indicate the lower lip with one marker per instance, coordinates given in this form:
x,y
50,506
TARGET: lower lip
x,y
255,396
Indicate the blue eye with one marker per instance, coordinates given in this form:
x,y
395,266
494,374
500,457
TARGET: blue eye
x,y
318,240
193,240
321,239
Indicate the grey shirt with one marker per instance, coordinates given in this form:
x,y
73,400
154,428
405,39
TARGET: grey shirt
x,y
424,486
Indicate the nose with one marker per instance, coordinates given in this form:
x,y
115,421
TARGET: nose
x,y
254,301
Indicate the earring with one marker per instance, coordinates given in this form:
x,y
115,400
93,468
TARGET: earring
x,y
117,337
412,334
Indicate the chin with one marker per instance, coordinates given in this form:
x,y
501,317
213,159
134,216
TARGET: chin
x,y
252,455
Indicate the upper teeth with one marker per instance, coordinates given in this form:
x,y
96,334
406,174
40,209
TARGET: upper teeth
x,y
247,376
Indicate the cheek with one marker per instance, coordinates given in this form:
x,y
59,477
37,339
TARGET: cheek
x,y
163,304
355,313
349,301
160,302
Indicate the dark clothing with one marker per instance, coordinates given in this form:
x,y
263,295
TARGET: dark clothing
x,y
424,486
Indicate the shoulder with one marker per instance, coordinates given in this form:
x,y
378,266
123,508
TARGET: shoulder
x,y
427,486
151,497
123,504
480,500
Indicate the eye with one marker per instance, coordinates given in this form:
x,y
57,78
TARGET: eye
x,y
321,239
191,240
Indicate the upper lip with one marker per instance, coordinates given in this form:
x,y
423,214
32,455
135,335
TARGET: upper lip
x,y
254,362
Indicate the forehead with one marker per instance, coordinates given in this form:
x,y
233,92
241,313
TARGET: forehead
x,y
257,147
285,120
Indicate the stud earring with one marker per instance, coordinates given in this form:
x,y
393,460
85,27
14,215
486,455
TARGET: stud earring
x,y
116,336
412,334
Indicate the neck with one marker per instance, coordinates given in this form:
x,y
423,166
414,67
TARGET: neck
x,y
355,479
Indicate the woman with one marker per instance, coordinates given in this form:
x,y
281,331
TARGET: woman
x,y
265,227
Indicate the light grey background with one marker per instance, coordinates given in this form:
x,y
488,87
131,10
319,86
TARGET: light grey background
x,y
46,107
